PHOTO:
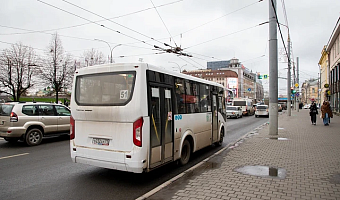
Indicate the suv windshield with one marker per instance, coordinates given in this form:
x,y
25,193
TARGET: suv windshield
x,y
231,108
5,109
105,89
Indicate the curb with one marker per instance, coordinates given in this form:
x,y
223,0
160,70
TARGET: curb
x,y
231,145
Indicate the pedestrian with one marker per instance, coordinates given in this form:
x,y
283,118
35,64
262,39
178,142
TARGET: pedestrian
x,y
313,111
326,112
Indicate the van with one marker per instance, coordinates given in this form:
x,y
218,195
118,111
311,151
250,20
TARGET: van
x,y
246,105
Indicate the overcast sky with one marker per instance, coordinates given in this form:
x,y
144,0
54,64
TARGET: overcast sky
x,y
209,30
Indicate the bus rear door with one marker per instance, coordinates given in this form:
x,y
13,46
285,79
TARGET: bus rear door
x,y
161,124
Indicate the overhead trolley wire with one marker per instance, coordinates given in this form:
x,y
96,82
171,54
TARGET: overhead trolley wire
x,y
219,17
278,24
78,25
225,35
94,22
163,22
107,19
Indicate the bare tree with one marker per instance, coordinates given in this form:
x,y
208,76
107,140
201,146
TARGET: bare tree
x,y
93,57
58,68
17,70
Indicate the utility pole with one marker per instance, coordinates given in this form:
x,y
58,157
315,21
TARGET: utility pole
x,y
288,81
298,86
273,65
294,81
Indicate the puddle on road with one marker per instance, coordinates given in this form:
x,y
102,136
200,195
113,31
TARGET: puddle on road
x,y
263,171
280,138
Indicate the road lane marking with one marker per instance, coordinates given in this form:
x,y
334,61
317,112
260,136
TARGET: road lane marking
x,y
23,154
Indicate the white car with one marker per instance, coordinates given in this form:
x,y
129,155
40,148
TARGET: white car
x,y
262,110
234,111
307,106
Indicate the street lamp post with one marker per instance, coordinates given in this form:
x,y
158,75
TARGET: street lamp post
x,y
180,68
109,47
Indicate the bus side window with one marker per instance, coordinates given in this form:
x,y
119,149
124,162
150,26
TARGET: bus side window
x,y
204,95
180,95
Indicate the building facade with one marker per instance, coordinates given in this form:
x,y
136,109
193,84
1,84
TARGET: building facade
x,y
333,49
234,76
309,92
323,65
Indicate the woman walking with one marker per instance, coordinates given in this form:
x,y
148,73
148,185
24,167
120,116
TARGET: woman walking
x,y
313,111
326,112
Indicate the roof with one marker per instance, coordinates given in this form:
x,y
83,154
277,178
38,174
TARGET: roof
x,y
336,31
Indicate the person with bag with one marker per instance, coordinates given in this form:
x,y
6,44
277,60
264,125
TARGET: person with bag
x,y
313,111
326,113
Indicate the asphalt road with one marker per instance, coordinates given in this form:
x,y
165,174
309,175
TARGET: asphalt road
x,y
47,172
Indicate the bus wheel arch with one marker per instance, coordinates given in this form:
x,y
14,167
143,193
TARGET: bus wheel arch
x,y
186,150
222,134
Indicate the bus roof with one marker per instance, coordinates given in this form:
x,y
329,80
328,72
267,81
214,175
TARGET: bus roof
x,y
111,67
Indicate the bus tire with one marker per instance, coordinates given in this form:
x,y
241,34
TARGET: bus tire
x,y
185,153
220,142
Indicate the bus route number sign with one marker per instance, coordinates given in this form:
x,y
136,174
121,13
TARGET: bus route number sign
x,y
123,94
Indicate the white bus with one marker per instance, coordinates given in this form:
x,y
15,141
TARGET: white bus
x,y
137,117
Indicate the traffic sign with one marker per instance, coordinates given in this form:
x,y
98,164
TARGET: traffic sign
x,y
297,94
249,89
265,76
296,85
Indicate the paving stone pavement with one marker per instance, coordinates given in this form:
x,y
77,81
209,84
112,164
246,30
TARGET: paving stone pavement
x,y
308,155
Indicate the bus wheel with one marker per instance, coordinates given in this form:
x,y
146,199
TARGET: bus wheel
x,y
186,152
220,142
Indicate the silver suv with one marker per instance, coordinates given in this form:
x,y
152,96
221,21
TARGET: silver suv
x,y
30,121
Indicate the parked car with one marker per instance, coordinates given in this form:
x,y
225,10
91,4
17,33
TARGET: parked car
x,y
307,106
262,110
234,111
30,121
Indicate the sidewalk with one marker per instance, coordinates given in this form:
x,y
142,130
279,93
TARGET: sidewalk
x,y
304,163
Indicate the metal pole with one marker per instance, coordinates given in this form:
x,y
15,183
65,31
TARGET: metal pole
x,y
273,65
297,80
288,81
293,85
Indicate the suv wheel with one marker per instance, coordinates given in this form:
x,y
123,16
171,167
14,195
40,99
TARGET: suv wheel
x,y
33,137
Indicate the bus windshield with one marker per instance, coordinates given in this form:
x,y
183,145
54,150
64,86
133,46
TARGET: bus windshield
x,y
240,103
105,89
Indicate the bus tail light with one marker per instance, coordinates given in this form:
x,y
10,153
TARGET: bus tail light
x,y
137,132
72,128
13,117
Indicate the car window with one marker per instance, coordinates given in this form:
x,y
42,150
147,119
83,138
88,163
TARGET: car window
x,y
62,111
5,109
46,110
30,110
261,107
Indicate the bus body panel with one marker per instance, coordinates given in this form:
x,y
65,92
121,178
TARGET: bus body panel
x,y
114,123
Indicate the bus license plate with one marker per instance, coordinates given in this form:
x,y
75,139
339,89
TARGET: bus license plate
x,y
100,141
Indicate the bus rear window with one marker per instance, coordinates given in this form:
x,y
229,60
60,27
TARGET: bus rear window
x,y
239,103
105,89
